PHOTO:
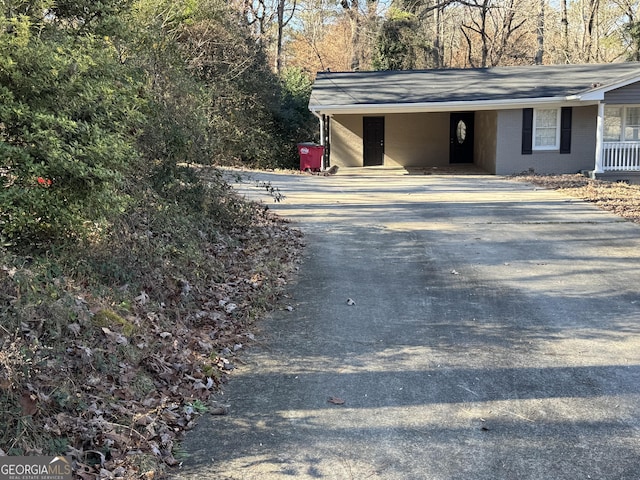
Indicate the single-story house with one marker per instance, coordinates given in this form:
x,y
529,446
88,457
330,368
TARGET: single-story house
x,y
505,120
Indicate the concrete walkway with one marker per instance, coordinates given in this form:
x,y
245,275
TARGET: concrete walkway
x,y
495,335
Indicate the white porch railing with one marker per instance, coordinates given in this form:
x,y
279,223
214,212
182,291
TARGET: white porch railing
x,y
621,156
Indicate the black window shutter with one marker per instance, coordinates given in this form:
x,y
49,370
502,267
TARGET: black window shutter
x,y
527,130
565,130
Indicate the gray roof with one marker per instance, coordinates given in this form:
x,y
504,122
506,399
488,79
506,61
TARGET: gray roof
x,y
333,90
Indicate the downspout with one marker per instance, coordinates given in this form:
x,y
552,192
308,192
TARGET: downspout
x,y
599,138
320,117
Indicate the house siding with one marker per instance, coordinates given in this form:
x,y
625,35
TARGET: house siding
x,y
509,157
628,95
417,140
486,135
411,140
422,140
346,140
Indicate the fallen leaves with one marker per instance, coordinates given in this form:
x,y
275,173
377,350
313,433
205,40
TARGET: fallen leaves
x,y
120,383
616,197
28,404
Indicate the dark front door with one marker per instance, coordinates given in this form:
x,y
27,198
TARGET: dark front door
x,y
461,137
373,135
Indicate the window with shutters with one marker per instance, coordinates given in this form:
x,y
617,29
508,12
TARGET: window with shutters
x,y
546,129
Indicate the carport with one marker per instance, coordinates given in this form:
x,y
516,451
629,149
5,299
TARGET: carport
x,y
505,120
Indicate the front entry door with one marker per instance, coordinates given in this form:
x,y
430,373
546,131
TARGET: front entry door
x,y
373,136
461,137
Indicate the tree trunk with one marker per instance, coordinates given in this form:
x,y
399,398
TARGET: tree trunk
x,y
352,10
280,28
282,22
478,26
540,33
483,32
438,44
590,30
565,32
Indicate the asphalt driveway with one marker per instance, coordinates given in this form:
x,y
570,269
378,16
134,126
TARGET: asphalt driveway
x,y
495,335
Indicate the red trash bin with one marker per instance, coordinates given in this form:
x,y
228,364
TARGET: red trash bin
x,y
310,156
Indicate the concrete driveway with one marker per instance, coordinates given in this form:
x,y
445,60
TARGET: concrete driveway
x,y
495,335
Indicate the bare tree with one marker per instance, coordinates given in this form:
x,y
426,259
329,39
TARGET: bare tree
x,y
564,22
590,16
493,26
362,17
284,17
438,33
477,24
269,18
540,33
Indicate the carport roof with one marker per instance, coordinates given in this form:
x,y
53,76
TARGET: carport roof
x,y
467,89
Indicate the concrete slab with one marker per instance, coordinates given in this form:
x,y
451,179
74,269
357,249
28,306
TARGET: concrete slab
x,y
495,335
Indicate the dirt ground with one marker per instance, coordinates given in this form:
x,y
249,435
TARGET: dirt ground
x,y
619,198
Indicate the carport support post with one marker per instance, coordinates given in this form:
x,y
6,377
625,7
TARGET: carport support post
x,y
599,137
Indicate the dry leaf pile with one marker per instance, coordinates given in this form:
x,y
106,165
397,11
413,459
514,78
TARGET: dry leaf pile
x,y
619,198
114,379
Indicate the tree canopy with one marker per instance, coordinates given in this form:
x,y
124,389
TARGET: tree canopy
x,y
102,97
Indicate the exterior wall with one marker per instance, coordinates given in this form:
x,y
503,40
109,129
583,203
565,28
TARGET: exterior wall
x,y
411,140
485,140
628,95
346,140
422,140
509,159
417,140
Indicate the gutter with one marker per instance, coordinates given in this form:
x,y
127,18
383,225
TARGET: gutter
x,y
424,107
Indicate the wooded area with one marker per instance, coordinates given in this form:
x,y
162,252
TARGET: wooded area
x,y
130,274
129,271
415,34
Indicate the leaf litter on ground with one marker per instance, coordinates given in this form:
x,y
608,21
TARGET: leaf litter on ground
x,y
619,198
117,387
115,380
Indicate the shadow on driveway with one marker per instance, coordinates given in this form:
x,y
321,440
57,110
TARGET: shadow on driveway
x,y
495,335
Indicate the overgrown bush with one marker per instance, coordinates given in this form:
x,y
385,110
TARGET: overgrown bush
x,y
98,99
69,113
127,277
296,123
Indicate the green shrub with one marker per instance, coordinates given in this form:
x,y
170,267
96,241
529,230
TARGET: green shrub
x,y
68,110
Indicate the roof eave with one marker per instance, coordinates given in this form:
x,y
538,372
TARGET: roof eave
x,y
457,106
598,93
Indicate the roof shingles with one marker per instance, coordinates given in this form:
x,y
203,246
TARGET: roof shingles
x,y
464,85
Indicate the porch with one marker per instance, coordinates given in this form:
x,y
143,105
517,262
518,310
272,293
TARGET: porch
x,y
621,156
620,162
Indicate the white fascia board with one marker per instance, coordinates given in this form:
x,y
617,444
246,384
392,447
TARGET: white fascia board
x,y
375,108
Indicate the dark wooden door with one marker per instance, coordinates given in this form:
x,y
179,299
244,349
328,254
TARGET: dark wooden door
x,y
373,136
461,137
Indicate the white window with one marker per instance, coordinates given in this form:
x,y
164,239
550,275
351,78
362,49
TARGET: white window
x,y
621,124
546,129
632,124
613,124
